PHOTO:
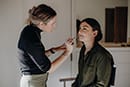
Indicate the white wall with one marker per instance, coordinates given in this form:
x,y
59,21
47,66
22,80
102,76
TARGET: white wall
x,y
122,60
10,24
96,9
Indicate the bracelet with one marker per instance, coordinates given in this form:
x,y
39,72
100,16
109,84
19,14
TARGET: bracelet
x,y
52,51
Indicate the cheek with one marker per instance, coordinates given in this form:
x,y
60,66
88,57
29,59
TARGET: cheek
x,y
50,27
82,34
54,25
47,28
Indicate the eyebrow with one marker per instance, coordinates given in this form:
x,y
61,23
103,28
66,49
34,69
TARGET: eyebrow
x,y
84,26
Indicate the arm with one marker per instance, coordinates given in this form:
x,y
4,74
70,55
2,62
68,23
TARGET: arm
x,y
37,54
31,45
51,51
58,61
76,82
103,72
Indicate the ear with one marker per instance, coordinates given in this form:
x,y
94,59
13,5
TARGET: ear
x,y
95,33
41,23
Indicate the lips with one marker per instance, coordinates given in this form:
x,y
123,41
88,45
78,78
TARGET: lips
x,y
80,37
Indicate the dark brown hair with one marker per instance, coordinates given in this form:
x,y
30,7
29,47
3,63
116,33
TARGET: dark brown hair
x,y
40,13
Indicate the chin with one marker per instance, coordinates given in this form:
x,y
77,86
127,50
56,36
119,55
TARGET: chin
x,y
81,39
49,31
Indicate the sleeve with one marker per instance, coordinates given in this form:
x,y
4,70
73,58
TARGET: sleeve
x,y
103,73
76,82
36,52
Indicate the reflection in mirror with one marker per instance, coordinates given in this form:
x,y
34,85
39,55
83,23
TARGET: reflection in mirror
x,y
97,9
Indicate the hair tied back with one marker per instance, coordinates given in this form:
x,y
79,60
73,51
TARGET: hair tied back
x,y
31,11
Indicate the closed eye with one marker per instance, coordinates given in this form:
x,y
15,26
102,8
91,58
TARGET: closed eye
x,y
84,28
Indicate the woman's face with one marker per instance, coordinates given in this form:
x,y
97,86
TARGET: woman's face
x,y
86,33
48,27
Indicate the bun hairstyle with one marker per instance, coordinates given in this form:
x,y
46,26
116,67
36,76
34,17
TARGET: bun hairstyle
x,y
40,13
95,26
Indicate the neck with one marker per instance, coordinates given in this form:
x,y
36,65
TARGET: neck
x,y
88,46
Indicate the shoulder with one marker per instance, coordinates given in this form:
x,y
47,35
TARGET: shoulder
x,y
103,54
102,50
27,30
28,33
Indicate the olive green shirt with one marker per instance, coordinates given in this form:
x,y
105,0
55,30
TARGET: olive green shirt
x,y
94,68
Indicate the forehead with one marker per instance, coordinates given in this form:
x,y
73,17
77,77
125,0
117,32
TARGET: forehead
x,y
52,20
84,24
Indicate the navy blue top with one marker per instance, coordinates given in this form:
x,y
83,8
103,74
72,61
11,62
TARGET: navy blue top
x,y
32,52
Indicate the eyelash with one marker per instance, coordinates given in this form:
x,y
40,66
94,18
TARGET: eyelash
x,y
83,28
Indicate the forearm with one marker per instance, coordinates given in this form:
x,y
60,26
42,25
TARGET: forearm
x,y
49,52
53,50
67,47
58,61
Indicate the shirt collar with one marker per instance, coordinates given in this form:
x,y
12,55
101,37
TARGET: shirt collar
x,y
93,49
35,28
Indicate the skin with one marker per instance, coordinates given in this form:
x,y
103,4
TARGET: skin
x,y
48,27
87,35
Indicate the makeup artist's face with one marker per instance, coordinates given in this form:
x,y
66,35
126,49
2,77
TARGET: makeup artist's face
x,y
48,27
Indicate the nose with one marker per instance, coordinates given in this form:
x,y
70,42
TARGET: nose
x,y
79,32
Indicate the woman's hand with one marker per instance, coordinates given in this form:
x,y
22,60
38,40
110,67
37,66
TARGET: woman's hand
x,y
63,47
59,48
69,46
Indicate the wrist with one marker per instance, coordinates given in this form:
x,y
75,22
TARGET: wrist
x,y
66,53
52,51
